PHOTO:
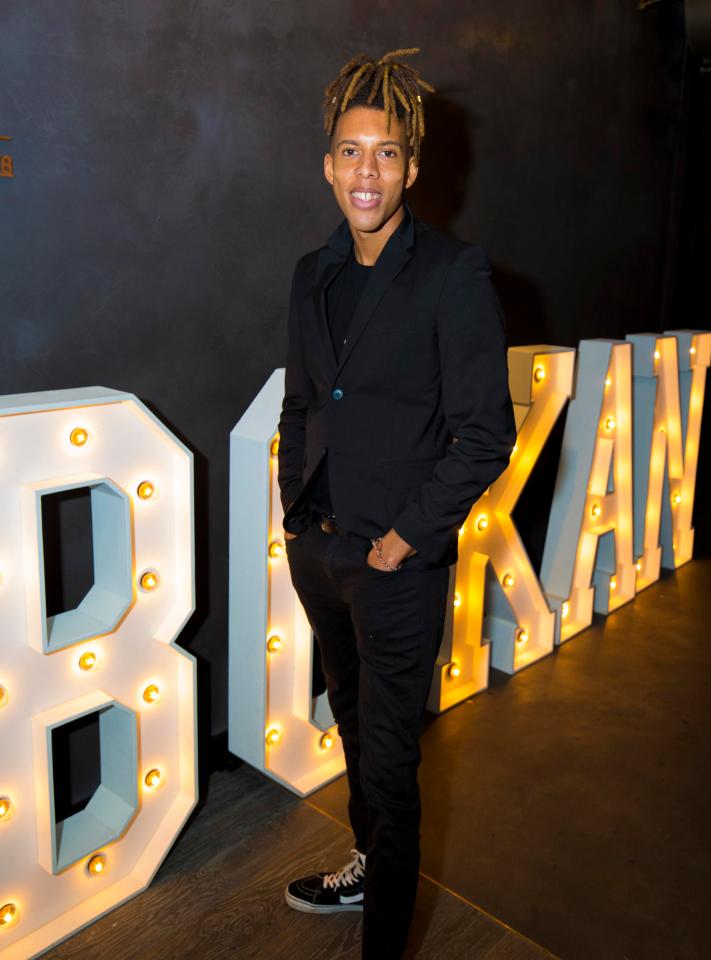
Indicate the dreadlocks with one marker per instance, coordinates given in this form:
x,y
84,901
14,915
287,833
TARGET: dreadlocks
x,y
397,86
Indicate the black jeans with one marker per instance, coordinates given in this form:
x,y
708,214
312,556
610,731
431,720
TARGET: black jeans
x,y
379,633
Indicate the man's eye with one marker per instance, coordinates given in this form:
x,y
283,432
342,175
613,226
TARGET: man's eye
x,y
347,151
390,153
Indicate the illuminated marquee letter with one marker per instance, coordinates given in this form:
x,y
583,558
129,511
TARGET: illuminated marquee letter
x,y
669,382
587,559
517,622
274,722
110,660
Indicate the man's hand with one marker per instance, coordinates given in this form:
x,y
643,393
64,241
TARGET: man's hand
x,y
394,550
290,536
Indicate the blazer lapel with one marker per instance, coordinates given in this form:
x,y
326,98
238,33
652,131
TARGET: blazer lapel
x,y
393,257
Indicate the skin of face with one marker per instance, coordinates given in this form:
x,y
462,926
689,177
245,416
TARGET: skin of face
x,y
369,160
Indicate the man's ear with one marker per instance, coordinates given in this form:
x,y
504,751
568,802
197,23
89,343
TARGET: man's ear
x,y
328,168
412,171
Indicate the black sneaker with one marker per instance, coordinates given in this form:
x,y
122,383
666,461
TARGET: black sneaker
x,y
330,892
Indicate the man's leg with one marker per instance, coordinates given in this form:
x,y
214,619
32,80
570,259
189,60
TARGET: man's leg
x,y
310,565
399,621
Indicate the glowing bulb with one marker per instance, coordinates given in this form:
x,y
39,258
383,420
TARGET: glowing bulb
x,y
274,643
692,350
457,600
78,437
454,670
521,636
613,583
565,609
326,741
149,581
596,510
508,580
609,423
676,499
273,736
657,354
276,549
608,382
97,864
274,448
6,808
153,779
8,914
539,374
638,565
482,522
145,490
88,661
152,693
3,696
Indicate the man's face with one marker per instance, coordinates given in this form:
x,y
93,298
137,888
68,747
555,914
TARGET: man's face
x,y
368,167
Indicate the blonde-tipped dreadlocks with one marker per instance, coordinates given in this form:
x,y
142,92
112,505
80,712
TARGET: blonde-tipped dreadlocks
x,y
398,85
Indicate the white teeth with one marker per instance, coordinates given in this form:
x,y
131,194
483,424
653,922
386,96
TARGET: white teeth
x,y
364,196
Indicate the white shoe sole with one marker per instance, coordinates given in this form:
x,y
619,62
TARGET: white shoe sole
x,y
296,904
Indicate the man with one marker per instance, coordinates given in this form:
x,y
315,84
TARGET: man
x,y
396,418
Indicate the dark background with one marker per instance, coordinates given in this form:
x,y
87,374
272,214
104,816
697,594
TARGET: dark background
x,y
168,175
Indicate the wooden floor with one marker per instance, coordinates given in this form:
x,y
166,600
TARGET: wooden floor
x,y
220,893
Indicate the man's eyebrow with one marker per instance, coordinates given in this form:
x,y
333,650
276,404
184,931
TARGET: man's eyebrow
x,y
381,143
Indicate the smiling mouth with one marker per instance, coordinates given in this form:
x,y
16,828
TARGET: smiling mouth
x,y
365,199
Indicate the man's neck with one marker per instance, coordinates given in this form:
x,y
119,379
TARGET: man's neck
x,y
368,246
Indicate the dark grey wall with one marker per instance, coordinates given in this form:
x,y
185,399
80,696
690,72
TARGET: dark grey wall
x,y
168,175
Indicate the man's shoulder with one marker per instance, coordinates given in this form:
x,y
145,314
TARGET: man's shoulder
x,y
442,249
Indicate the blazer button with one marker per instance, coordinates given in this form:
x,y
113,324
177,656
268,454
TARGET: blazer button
x,y
337,394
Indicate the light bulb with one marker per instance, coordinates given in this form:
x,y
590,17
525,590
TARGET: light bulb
x,y
274,643
565,609
276,549
457,600
3,696
8,914
539,374
608,382
613,583
88,661
638,565
274,448
273,736
521,636
692,350
676,499
152,693
97,864
657,354
6,808
326,741
482,522
609,423
149,581
454,670
145,490
508,580
153,779
596,510
78,437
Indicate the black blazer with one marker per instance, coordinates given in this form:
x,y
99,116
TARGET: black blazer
x,y
416,417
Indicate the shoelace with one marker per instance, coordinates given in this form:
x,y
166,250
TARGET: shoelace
x,y
349,874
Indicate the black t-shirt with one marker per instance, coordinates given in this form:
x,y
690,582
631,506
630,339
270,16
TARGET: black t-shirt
x,y
342,297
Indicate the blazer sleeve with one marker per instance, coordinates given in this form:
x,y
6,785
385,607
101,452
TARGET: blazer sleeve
x,y
298,390
476,402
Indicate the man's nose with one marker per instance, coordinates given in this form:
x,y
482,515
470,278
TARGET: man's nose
x,y
368,166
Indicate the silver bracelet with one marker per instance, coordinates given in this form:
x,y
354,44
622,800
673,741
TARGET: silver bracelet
x,y
378,544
